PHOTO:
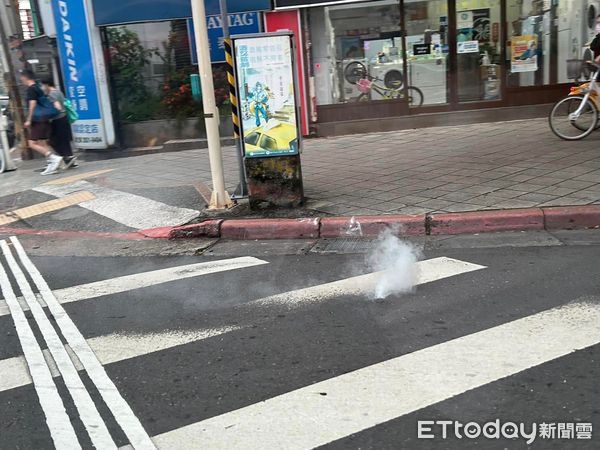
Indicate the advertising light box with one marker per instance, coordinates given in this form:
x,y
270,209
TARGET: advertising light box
x,y
264,66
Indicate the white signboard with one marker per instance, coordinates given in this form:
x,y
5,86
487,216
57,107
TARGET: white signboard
x,y
464,19
468,47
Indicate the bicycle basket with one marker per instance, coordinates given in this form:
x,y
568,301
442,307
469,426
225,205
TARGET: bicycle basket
x,y
574,68
364,86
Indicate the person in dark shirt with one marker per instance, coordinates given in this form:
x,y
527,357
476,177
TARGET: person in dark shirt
x,y
61,135
39,131
595,44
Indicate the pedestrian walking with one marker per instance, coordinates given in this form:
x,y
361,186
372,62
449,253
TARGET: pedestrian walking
x,y
61,134
40,112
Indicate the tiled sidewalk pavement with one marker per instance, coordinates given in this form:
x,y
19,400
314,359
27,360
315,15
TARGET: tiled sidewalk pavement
x,y
461,168
472,167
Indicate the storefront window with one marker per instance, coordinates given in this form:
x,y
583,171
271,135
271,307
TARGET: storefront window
x,y
357,52
478,50
529,44
427,49
150,66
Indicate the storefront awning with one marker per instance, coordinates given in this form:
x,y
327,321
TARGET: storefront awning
x,y
109,12
294,4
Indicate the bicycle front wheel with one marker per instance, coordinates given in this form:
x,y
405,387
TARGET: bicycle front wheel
x,y
567,124
2,163
415,96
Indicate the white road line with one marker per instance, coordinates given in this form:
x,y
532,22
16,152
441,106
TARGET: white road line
x,y
428,271
146,279
110,349
356,401
128,209
120,409
95,426
59,424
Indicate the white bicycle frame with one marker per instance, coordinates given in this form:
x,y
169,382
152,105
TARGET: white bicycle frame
x,y
588,92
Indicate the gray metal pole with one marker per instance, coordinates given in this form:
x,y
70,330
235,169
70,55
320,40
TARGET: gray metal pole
x,y
242,188
220,198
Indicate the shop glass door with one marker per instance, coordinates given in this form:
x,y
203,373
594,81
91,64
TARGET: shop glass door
x,y
427,50
478,50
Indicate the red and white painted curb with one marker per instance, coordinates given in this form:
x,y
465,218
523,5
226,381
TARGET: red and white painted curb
x,y
551,218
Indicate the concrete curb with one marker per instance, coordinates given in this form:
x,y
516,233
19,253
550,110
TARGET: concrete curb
x,y
487,221
551,219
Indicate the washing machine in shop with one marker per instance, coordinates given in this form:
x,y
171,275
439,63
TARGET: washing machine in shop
x,y
592,10
590,13
390,74
350,90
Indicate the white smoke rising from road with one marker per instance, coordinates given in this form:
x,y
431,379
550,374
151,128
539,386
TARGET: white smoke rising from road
x,y
397,262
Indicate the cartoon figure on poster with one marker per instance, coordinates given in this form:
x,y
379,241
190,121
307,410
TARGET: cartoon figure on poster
x,y
259,99
266,92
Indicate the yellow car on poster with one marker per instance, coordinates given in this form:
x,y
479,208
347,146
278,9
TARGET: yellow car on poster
x,y
272,138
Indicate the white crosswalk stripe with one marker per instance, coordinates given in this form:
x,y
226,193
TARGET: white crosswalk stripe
x,y
304,418
130,210
110,349
316,414
145,279
61,430
114,348
88,413
59,424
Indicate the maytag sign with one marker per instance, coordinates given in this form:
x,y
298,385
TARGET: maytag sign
x,y
109,12
241,23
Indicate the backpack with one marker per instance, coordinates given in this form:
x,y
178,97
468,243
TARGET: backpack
x,y
72,115
44,110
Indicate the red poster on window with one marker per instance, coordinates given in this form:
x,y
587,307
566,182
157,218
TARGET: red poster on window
x,y
290,21
495,32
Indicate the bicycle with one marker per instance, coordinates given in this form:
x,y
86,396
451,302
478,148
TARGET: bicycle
x,y
576,116
391,89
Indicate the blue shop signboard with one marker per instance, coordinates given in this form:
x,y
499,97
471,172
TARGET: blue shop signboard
x,y
242,23
109,12
78,71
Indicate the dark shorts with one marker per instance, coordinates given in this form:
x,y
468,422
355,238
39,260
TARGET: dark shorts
x,y
40,131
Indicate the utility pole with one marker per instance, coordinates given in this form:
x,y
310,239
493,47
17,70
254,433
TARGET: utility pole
x,y
220,198
16,105
242,188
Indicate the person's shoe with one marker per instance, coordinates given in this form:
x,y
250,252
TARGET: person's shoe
x,y
54,164
71,162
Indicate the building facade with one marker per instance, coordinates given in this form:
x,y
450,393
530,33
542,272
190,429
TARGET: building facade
x,y
358,61
392,58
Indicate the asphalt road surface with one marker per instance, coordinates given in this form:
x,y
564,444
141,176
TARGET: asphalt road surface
x,y
282,345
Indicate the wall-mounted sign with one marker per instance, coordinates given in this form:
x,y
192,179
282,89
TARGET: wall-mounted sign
x,y
464,19
468,47
83,74
242,23
524,53
264,66
421,49
109,12
283,4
